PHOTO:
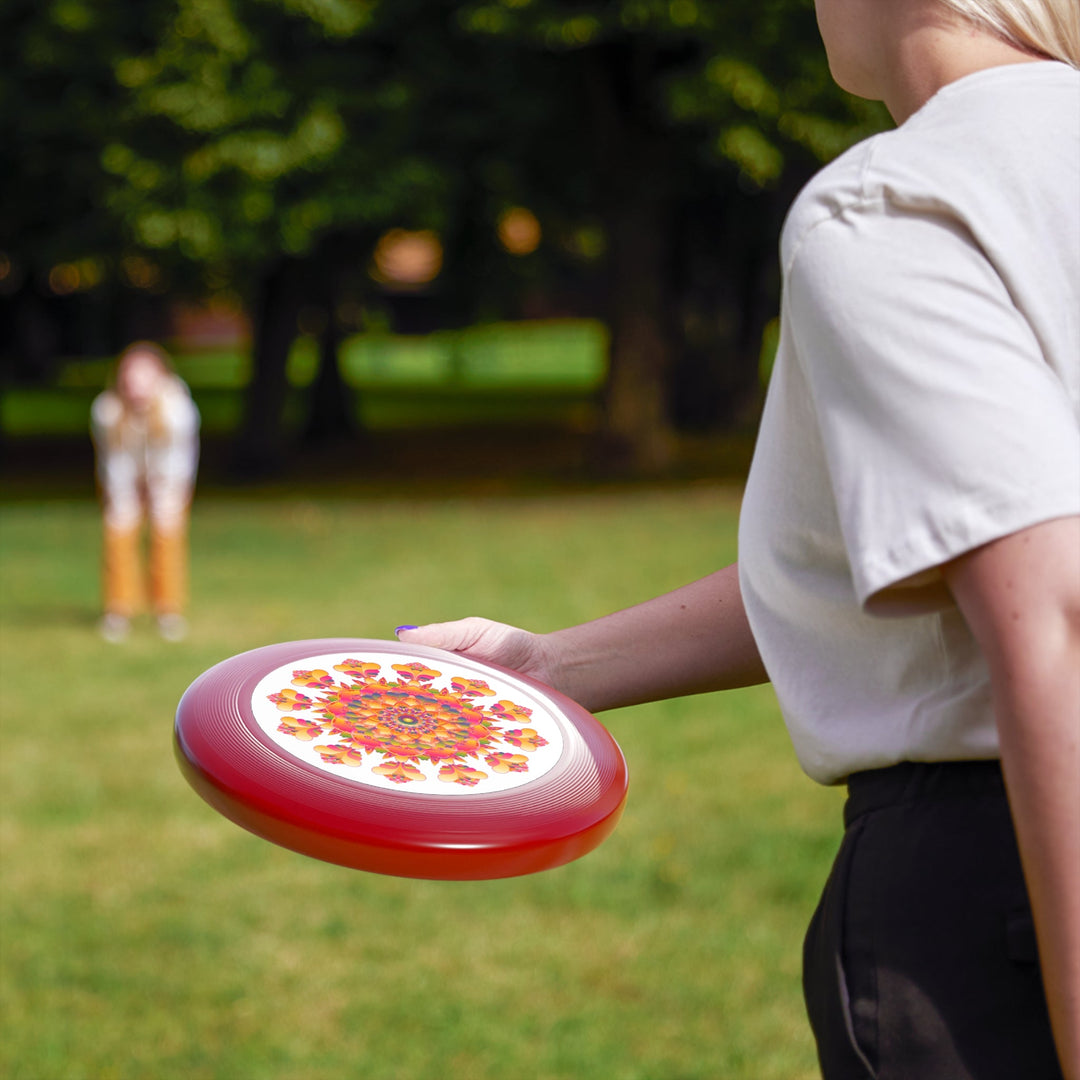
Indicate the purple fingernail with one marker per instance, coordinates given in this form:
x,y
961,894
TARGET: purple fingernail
x,y
398,629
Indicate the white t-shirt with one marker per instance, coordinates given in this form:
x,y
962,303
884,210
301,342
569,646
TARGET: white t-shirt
x,y
146,462
925,400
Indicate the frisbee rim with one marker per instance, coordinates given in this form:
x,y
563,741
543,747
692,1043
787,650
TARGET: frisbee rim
x,y
286,802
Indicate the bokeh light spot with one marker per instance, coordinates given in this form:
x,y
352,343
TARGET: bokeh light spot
x,y
519,231
407,259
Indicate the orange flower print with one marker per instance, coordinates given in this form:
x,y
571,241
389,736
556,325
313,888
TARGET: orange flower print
x,y
525,738
470,687
400,772
511,711
504,763
363,669
416,671
299,728
403,728
461,774
290,699
312,679
340,755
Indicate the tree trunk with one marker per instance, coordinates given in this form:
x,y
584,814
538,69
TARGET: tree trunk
x,y
727,283
637,434
261,446
331,417
637,425
34,348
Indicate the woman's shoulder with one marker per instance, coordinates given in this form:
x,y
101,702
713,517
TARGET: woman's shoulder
x,y
996,142
831,192
106,410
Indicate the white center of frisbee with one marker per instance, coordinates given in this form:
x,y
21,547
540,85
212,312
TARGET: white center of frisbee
x,y
390,721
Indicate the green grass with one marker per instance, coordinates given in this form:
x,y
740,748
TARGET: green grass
x,y
30,411
504,373
144,936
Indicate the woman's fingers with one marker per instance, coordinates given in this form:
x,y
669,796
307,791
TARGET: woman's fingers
x,y
482,639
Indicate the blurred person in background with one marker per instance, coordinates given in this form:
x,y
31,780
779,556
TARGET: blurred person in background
x,y
909,549
146,438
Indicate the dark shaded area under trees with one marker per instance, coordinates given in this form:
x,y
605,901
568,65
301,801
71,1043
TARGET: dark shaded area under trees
x,y
259,148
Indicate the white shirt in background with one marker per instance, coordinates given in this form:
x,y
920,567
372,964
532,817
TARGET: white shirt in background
x,y
146,463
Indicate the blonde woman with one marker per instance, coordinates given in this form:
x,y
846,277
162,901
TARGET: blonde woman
x,y
909,574
145,430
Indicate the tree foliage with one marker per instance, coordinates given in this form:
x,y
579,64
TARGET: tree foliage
x,y
262,146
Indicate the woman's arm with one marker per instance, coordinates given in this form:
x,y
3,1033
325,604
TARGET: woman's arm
x,y
689,641
1021,598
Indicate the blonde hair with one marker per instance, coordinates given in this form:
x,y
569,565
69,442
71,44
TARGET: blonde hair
x,y
1048,27
144,347
156,419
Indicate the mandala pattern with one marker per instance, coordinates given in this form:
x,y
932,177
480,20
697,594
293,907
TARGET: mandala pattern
x,y
400,728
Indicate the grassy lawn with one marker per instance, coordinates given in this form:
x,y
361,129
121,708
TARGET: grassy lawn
x,y
144,936
506,373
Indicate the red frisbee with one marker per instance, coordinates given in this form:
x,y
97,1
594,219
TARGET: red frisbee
x,y
400,759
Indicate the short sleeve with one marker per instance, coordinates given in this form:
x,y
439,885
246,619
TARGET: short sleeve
x,y
105,414
943,424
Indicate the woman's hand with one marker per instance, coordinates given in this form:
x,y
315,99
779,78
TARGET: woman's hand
x,y
491,642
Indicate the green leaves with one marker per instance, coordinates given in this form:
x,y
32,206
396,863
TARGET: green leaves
x,y
228,131
335,18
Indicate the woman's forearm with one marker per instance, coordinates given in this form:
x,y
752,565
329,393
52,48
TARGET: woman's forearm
x,y
689,641
1040,753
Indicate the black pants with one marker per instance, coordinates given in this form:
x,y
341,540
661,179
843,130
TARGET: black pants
x,y
920,961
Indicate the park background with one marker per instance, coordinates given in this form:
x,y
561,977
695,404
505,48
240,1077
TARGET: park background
x,y
478,301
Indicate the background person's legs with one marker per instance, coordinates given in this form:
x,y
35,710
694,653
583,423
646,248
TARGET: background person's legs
x,y
122,584
169,574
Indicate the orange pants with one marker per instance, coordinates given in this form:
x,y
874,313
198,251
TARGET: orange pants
x,y
124,585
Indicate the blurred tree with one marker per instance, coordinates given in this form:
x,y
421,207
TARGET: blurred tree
x,y
261,147
692,125
59,106
280,158
296,133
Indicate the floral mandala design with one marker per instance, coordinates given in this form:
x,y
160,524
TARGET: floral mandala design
x,y
398,728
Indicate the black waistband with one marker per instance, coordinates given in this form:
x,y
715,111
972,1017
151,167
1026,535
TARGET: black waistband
x,y
920,781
